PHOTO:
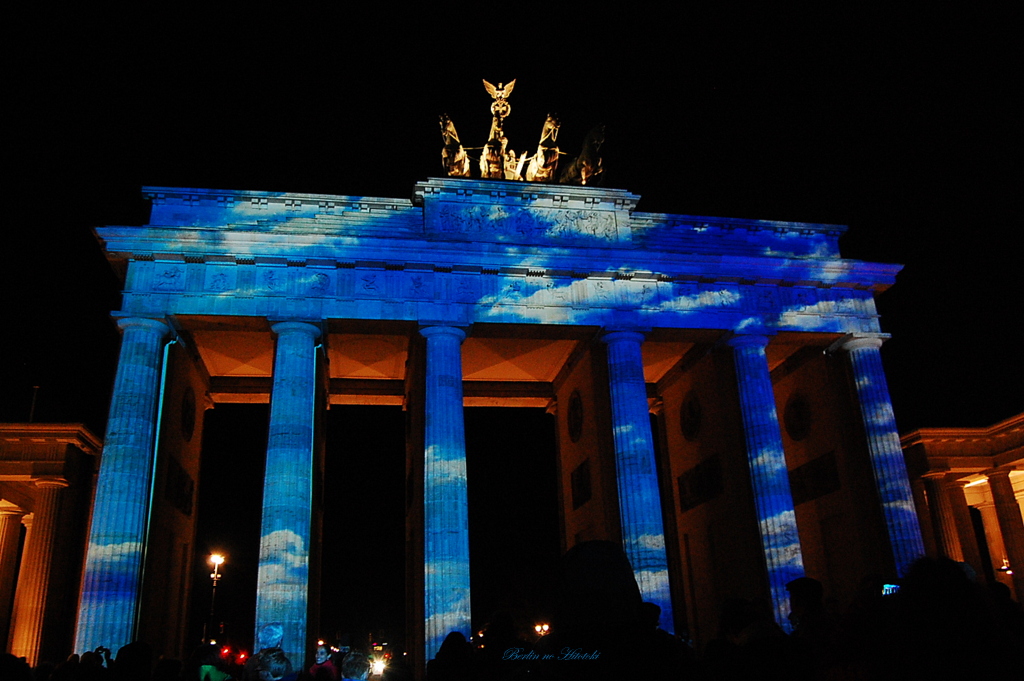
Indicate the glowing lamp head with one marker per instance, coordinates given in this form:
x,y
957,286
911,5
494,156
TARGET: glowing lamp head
x,y
217,559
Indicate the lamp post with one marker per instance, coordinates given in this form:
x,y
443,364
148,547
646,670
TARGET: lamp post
x,y
217,560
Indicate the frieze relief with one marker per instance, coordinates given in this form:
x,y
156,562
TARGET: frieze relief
x,y
466,288
370,284
515,223
316,283
271,280
220,279
804,307
168,277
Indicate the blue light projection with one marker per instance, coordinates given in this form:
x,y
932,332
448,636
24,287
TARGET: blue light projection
x,y
769,477
473,251
887,462
643,534
113,565
445,502
283,575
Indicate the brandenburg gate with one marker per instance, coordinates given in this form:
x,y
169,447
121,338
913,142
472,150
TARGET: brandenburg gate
x,y
755,346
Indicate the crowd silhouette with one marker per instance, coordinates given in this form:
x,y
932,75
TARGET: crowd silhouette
x,y
941,624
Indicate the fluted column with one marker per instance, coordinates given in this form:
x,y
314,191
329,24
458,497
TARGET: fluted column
x,y
769,477
112,579
947,539
445,505
10,532
1011,526
27,522
887,463
283,575
35,572
964,525
643,534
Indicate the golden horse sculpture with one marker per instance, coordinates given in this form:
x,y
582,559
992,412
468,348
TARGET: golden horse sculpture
x,y
544,162
453,157
587,166
498,162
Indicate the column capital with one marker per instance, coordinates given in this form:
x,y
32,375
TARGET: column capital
x,y
8,508
156,325
613,334
295,327
428,329
998,473
50,482
855,341
747,340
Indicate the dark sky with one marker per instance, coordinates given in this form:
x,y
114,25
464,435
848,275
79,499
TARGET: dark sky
x,y
902,123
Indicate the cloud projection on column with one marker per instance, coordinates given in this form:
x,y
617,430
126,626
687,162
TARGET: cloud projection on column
x,y
643,534
769,476
887,464
111,581
283,575
445,502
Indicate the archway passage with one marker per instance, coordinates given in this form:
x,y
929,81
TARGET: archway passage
x,y
514,530
513,512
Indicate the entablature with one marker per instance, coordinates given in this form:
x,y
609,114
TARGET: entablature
x,y
457,211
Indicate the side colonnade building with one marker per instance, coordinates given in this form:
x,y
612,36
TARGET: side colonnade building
x,y
969,487
721,406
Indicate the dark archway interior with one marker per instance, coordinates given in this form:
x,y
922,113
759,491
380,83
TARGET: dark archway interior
x,y
514,526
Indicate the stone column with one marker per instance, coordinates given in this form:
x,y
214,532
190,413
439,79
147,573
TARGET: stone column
x,y
1011,526
27,521
924,519
35,572
947,540
994,539
283,575
111,582
643,532
10,532
964,526
769,477
887,463
445,506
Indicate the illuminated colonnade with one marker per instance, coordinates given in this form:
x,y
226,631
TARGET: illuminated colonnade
x,y
30,597
46,483
472,254
972,471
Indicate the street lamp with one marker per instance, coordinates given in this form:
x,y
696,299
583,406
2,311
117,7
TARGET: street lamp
x,y
216,560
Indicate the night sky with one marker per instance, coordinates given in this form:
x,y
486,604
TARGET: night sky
x,y
902,123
